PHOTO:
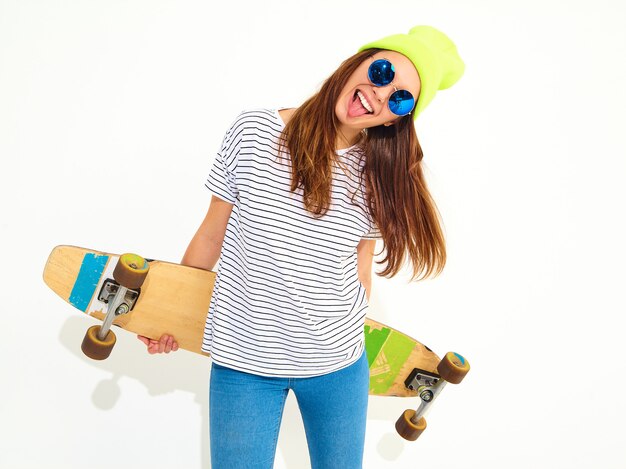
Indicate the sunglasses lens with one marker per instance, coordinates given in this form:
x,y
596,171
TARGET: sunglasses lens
x,y
381,72
401,102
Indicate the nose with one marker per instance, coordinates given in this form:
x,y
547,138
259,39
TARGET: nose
x,y
382,93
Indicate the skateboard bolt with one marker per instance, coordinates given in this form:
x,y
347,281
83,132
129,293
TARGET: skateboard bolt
x,y
122,309
426,395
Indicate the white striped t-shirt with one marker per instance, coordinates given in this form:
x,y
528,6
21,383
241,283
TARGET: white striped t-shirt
x,y
287,299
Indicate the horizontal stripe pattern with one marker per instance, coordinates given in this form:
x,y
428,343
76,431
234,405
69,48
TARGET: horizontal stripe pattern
x,y
287,299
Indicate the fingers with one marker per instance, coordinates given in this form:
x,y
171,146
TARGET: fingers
x,y
145,340
153,347
165,344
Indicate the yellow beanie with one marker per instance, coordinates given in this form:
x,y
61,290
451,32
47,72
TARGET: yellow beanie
x,y
434,55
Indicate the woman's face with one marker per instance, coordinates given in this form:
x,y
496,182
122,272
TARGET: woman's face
x,y
362,104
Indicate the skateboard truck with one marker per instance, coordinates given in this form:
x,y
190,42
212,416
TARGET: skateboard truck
x,y
120,300
419,378
120,296
452,369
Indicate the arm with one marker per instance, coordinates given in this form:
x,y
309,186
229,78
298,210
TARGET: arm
x,y
203,252
206,245
365,256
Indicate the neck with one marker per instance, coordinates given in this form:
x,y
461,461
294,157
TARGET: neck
x,y
346,138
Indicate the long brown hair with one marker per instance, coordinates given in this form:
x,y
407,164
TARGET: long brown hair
x,y
395,188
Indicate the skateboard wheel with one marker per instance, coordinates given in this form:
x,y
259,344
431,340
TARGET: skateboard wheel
x,y
131,271
95,348
407,429
453,368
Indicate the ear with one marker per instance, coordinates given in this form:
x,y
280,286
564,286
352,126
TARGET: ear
x,y
387,124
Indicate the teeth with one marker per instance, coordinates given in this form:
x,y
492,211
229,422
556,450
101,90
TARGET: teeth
x,y
364,102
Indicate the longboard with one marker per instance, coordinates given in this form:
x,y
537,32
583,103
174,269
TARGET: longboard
x,y
174,299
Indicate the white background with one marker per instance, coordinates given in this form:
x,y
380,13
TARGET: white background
x,y
110,114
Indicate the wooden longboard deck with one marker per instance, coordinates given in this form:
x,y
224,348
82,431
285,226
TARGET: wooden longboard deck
x,y
175,299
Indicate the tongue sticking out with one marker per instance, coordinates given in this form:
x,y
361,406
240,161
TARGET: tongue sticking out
x,y
356,109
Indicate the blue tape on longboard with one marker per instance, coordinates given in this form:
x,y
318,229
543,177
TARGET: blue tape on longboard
x,y
87,280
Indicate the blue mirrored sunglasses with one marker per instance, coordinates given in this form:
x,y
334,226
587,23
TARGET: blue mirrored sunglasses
x,y
382,73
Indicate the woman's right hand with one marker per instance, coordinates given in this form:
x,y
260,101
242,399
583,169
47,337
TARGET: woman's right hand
x,y
165,344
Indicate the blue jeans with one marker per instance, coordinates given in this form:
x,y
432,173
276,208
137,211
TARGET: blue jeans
x,y
246,411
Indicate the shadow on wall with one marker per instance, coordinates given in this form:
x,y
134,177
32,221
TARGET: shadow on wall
x,y
189,372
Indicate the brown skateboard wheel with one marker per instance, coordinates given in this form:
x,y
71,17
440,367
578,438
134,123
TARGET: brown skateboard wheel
x,y
95,348
453,368
407,429
131,270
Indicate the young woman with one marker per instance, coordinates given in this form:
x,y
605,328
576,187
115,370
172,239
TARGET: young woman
x,y
299,198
